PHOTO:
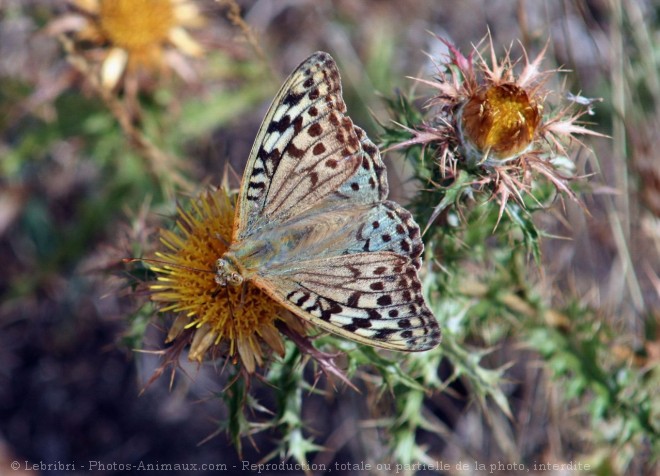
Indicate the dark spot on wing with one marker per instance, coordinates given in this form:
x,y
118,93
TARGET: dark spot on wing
x,y
315,130
384,300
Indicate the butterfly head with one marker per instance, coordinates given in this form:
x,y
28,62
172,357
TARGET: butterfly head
x,y
226,273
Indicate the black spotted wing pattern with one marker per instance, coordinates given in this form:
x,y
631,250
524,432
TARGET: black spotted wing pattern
x,y
373,298
315,189
305,149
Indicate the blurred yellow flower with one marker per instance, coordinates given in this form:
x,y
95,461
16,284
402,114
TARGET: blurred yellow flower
x,y
135,34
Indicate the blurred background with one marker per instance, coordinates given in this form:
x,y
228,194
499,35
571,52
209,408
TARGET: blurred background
x,y
83,180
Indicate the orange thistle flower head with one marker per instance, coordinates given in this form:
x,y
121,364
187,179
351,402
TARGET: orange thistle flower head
x,y
492,116
498,115
499,121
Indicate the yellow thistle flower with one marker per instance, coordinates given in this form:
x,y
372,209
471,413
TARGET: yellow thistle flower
x,y
135,34
232,321
488,118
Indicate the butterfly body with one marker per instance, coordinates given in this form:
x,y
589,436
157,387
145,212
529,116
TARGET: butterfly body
x,y
313,228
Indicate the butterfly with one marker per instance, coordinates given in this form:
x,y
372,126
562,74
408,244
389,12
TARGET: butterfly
x,y
313,228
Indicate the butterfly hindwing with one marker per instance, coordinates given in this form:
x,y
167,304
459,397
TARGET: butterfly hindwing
x,y
387,226
374,298
364,283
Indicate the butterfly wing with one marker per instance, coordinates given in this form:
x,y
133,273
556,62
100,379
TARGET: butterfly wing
x,y
308,163
360,281
304,151
372,298
369,183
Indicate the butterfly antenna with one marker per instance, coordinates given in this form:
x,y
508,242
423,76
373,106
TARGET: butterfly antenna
x,y
243,293
222,240
167,263
231,307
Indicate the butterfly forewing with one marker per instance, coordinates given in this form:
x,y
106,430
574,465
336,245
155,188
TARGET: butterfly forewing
x,y
335,251
305,149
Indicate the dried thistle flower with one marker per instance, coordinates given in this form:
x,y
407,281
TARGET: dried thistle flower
x,y
236,322
134,35
489,119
